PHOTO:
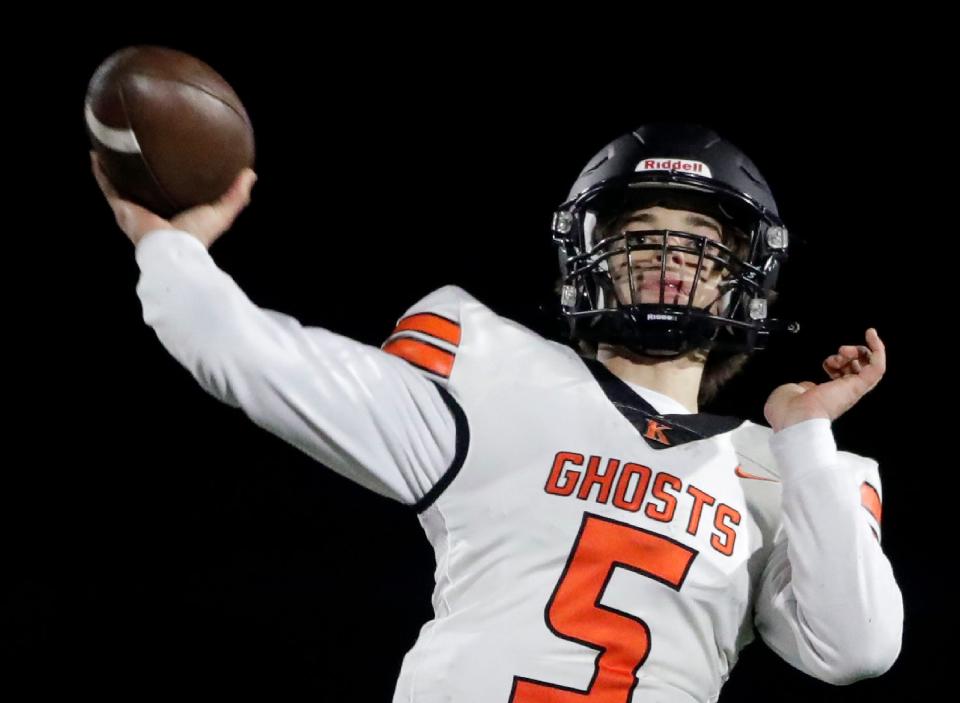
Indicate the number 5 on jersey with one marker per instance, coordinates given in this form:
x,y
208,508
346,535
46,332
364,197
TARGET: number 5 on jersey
x,y
574,612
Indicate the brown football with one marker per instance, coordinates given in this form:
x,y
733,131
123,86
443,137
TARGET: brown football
x,y
169,130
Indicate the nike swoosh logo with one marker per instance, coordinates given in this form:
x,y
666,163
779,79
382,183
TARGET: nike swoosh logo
x,y
743,474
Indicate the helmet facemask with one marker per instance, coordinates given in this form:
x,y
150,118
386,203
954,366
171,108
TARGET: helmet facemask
x,y
721,298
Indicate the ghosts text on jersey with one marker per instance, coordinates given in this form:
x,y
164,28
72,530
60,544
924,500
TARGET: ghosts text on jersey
x,y
633,487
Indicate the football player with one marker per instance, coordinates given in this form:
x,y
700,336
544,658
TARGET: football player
x,y
597,537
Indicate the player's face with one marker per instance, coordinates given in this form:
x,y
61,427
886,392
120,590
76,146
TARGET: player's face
x,y
681,267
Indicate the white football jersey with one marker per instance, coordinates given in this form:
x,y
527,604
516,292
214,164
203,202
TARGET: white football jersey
x,y
594,540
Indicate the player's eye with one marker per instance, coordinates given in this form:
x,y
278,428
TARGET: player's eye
x,y
633,236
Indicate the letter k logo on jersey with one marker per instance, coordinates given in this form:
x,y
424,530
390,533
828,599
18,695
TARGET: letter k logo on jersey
x,y
655,431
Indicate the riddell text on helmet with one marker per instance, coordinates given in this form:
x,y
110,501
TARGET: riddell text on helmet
x,y
687,165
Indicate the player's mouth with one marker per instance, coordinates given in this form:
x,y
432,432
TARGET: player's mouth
x,y
671,283
649,292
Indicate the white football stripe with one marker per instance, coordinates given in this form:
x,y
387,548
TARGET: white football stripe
x,y
122,140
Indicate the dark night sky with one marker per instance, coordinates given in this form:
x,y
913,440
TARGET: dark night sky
x,y
161,542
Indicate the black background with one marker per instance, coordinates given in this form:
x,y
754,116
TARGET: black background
x,y
161,543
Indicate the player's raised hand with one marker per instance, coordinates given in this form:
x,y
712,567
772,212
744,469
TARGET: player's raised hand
x,y
205,222
854,371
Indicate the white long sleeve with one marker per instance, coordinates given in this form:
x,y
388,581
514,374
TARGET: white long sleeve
x,y
829,603
364,413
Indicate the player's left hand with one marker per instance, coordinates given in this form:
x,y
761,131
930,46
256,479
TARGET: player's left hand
x,y
854,372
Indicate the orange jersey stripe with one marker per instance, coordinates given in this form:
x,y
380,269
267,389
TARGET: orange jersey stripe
x,y
432,324
422,354
870,499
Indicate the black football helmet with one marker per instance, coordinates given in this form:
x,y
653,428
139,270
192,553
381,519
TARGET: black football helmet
x,y
684,167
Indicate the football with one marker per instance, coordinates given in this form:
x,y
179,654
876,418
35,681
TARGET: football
x,y
169,131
